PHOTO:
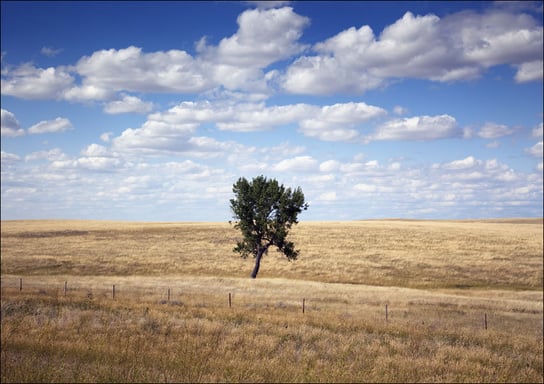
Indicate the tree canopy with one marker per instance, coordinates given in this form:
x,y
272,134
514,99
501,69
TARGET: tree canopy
x,y
264,212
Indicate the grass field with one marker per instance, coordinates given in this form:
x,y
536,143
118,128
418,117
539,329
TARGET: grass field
x,y
439,279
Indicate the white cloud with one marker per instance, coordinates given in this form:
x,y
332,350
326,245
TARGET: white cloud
x,y
87,92
395,166
60,124
50,52
466,163
128,104
493,131
327,196
322,75
10,126
106,136
86,163
532,71
296,164
366,188
372,164
458,47
536,150
7,157
98,163
399,110
338,122
51,155
95,150
263,37
418,128
256,117
130,69
330,122
283,150
329,166
171,132
29,82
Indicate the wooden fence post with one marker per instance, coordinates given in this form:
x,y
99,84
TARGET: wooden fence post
x,y
303,304
20,284
485,321
386,314
230,301
113,292
65,287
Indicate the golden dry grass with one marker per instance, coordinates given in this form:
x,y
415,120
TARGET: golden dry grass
x,y
438,280
417,254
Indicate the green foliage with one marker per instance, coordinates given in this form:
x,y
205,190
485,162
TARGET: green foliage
x,y
264,212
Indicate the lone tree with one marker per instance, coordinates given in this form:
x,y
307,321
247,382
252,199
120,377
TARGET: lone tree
x,y
264,212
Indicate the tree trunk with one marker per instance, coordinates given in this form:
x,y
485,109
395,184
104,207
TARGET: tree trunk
x,y
260,254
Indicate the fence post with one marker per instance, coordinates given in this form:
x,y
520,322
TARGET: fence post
x,y
485,321
65,287
168,294
230,301
303,304
386,314
20,284
113,292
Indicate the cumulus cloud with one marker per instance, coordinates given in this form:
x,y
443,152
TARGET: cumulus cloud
x,y
29,82
128,104
95,150
170,132
418,128
532,71
97,163
339,122
458,47
10,126
465,163
329,122
263,37
255,117
296,164
60,124
130,69
329,166
493,131
50,155
87,92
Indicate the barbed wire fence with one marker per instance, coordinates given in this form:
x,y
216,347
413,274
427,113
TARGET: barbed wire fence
x,y
164,294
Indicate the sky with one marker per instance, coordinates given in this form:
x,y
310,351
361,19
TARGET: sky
x,y
151,111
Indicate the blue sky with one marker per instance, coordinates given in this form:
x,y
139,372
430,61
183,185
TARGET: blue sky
x,y
150,111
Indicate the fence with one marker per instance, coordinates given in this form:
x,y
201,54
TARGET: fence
x,y
164,293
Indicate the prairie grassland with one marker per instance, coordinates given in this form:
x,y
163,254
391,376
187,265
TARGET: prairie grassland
x,y
438,279
415,254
